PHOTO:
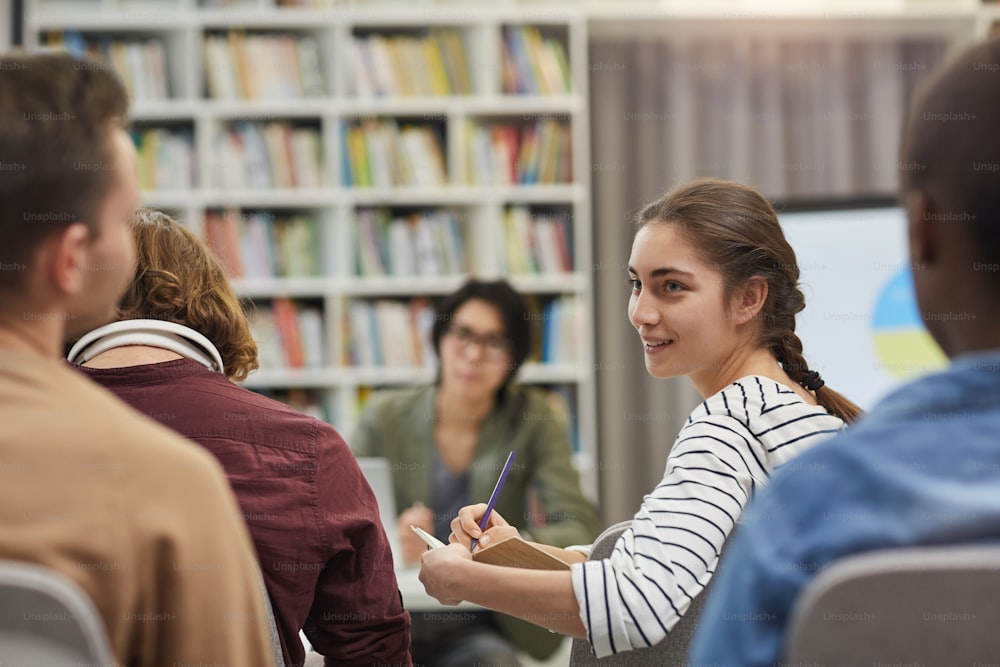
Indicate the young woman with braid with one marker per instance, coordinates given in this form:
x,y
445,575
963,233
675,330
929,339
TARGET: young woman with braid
x,y
713,296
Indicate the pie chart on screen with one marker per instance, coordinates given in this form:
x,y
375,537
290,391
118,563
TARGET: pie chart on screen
x,y
902,345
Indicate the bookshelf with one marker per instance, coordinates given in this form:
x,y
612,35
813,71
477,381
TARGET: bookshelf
x,y
353,164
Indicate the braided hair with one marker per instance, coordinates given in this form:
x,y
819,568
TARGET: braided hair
x,y
737,231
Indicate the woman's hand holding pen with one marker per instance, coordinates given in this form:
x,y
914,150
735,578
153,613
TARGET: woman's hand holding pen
x,y
465,527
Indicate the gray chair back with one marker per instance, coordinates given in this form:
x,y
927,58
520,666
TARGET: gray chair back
x,y
672,650
46,620
932,606
272,624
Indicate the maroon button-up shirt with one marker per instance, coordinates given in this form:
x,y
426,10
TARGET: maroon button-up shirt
x,y
314,520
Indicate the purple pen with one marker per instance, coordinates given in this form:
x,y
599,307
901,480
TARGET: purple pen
x,y
493,498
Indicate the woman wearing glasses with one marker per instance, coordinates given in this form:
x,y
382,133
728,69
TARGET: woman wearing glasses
x,y
447,443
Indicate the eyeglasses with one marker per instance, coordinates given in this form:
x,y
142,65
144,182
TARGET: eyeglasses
x,y
494,346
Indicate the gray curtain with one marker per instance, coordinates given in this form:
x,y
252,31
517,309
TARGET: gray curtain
x,y
798,119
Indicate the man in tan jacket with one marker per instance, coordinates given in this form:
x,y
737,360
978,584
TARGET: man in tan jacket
x,y
143,520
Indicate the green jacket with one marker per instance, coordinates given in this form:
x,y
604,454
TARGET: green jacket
x,y
399,425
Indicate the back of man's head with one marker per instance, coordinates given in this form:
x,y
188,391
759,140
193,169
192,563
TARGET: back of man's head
x,y
951,150
56,116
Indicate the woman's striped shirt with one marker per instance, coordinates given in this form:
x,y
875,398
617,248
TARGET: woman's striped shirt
x,y
728,447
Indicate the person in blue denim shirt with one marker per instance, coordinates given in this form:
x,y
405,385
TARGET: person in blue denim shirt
x,y
923,467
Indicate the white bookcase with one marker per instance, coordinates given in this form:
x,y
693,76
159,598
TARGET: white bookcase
x,y
181,28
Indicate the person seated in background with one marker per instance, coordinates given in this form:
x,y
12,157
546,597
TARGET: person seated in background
x,y
180,342
140,519
714,294
449,441
921,467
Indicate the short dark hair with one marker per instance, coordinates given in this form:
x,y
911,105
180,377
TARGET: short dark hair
x,y
509,303
56,116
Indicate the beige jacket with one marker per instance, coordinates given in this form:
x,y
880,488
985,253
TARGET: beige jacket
x,y
143,520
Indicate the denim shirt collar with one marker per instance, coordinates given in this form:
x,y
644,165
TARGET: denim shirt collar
x,y
970,383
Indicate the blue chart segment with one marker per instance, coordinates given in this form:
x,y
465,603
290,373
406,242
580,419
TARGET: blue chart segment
x,y
902,344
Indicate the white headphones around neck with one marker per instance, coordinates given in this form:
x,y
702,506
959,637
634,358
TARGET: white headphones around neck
x,y
178,338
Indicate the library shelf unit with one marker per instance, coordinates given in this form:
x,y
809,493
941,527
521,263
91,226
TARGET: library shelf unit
x,y
353,164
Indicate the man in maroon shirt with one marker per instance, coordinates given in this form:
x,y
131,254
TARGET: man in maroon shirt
x,y
180,339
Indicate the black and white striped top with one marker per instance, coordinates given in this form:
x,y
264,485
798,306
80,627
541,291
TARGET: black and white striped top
x,y
728,447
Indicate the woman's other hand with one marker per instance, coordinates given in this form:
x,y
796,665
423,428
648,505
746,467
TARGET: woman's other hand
x,y
412,546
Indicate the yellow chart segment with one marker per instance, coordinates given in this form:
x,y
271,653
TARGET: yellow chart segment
x,y
909,352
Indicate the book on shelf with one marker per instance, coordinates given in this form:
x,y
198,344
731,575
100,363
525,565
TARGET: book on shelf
x,y
391,326
298,248
401,250
505,153
552,241
165,158
220,69
258,244
286,321
262,66
264,330
433,64
556,324
221,231
456,61
535,242
421,159
512,551
517,232
552,312
562,401
278,154
310,321
533,63
433,56
266,155
288,334
307,51
425,243
381,153
390,333
422,319
369,245
355,166
359,328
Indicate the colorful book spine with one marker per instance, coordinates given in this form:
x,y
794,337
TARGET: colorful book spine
x,y
382,153
534,63
426,243
390,333
402,65
262,66
258,244
275,155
